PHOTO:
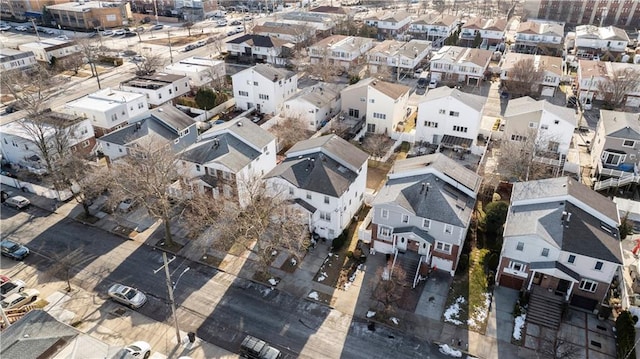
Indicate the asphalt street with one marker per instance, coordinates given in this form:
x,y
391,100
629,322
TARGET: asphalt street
x,y
220,308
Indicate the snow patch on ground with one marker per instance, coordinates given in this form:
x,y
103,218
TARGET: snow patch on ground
x,y
447,350
314,296
323,276
265,292
395,320
452,313
272,281
371,314
517,327
274,253
294,262
479,314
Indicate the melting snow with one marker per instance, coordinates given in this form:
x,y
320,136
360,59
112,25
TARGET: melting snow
x,y
445,349
265,292
293,261
313,295
395,320
453,311
517,328
273,281
323,276
480,313
371,314
274,253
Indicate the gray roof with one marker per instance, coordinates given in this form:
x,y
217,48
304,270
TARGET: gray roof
x,y
621,124
474,101
318,95
526,104
556,265
34,336
272,73
318,165
335,147
244,129
149,126
445,165
224,149
436,199
172,116
417,231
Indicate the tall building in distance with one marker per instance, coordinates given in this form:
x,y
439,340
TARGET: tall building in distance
x,y
621,13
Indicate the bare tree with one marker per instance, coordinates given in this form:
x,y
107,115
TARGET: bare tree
x,y
388,287
32,89
524,79
86,180
376,145
521,157
150,64
66,262
188,25
615,88
291,130
558,348
73,62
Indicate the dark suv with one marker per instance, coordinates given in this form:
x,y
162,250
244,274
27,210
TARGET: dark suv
x,y
255,348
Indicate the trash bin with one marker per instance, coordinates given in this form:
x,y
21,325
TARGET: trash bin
x,y
192,337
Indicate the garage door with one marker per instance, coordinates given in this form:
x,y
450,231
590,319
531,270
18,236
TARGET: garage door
x,y
584,303
511,282
442,264
547,91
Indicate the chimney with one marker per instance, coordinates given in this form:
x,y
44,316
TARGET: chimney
x,y
423,186
216,142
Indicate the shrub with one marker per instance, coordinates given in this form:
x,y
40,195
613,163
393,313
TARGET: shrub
x,y
463,263
339,241
496,215
626,335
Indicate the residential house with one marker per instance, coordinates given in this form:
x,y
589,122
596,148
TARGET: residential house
x,y
199,70
21,9
560,241
340,50
422,213
595,43
595,78
321,23
314,105
89,15
548,127
398,56
109,109
298,34
615,148
25,142
327,177
453,64
623,13
259,48
391,25
165,123
492,32
11,59
451,118
382,103
159,87
434,27
47,49
263,87
540,37
228,159
551,68
337,12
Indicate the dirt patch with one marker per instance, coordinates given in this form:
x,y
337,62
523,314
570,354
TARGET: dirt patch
x,y
177,40
172,248
291,264
211,260
266,278
410,297
377,174
320,297
87,219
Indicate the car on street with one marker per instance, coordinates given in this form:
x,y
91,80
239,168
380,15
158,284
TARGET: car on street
x,y
13,250
157,27
11,287
138,58
17,300
119,32
21,28
190,47
236,22
130,34
128,296
139,349
62,37
139,29
221,23
433,83
247,18
107,33
253,347
49,31
17,202
5,27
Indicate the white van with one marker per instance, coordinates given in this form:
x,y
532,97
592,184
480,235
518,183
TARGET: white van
x,y
17,202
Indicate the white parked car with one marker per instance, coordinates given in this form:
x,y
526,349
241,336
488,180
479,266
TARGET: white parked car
x,y
139,349
118,32
5,27
21,28
11,287
17,300
107,33
433,83
127,295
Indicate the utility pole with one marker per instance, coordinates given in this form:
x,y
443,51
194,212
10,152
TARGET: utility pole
x,y
35,28
170,51
155,8
170,289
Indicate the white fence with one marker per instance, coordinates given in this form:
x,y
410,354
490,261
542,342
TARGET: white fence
x,y
61,195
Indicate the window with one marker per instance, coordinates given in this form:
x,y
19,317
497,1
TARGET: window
x,y
545,252
384,231
159,95
405,218
426,223
516,266
442,111
291,191
170,92
629,143
243,93
308,195
532,124
371,127
226,175
553,146
454,113
518,138
443,247
520,246
372,100
460,129
255,83
598,265
198,168
544,127
85,143
431,124
326,199
614,159
384,213
588,285
381,116
448,229
325,216
263,97
571,259
556,122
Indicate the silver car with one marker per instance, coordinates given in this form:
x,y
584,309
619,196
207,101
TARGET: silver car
x,y
128,296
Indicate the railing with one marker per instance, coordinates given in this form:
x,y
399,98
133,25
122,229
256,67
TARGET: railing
x,y
364,234
616,182
395,257
415,278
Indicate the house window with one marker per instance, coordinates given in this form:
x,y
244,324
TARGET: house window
x,y
454,113
325,216
556,122
291,191
226,175
263,97
371,127
381,116
431,124
516,266
384,231
588,285
308,195
614,159
372,100
170,92
448,229
460,129
544,127
243,93
532,125
518,138
629,143
571,259
85,143
405,218
443,247
598,265
545,252
426,223
553,146
326,199
198,168
255,83
520,246
159,95
442,111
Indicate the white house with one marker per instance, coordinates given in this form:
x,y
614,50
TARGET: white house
x,y
454,64
384,104
434,27
11,59
423,212
46,49
595,77
398,56
540,37
551,68
263,87
491,32
293,33
159,87
551,125
228,159
165,124
340,50
327,176
592,42
262,48
109,109
314,105
560,238
199,70
23,140
450,117
390,24
321,23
